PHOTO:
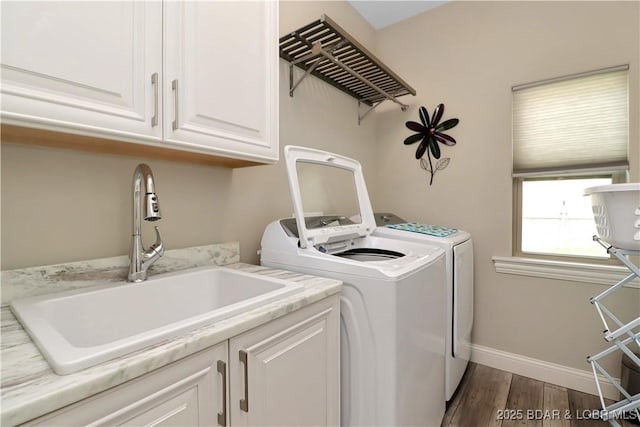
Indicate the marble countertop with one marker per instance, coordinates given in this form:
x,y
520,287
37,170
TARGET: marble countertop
x,y
29,388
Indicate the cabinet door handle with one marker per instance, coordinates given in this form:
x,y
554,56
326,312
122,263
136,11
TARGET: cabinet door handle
x,y
174,86
222,417
244,403
154,83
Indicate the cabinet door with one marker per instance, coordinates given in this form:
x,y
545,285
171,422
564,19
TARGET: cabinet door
x,y
287,371
83,67
189,392
221,77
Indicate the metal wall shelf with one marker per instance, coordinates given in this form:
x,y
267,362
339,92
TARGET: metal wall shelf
x,y
328,52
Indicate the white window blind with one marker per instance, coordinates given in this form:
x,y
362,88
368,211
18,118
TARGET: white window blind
x,y
574,123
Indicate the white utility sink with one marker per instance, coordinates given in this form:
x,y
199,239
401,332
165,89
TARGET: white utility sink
x,y
78,329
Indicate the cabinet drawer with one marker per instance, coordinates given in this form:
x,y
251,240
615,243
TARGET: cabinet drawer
x,y
187,392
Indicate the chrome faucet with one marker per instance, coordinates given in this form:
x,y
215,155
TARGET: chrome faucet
x,y
140,258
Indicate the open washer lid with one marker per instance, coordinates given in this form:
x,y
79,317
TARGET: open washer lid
x,y
329,232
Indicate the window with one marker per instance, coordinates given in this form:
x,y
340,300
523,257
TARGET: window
x,y
569,134
556,217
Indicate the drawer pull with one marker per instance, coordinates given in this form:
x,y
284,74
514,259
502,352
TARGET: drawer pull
x,y
244,403
222,416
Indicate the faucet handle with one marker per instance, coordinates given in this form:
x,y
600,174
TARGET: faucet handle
x,y
158,247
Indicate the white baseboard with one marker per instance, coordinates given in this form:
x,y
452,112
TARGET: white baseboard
x,y
564,376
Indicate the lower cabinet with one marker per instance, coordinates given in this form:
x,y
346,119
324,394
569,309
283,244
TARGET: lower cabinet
x,y
285,372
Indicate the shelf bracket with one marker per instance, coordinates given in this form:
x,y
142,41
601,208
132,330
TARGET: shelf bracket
x,y
315,51
292,86
362,116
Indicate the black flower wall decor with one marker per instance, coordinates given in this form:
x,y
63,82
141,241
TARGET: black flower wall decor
x,y
430,134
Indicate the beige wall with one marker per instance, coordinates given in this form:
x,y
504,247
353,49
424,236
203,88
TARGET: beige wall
x,y
467,55
60,205
63,205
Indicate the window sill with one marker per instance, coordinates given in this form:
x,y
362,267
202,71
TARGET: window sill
x,y
607,275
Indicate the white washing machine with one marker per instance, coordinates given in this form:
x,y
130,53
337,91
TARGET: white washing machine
x,y
392,302
458,248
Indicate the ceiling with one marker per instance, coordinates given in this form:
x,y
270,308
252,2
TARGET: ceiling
x,y
386,12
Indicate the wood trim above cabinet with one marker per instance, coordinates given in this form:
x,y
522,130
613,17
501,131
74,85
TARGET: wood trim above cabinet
x,y
47,138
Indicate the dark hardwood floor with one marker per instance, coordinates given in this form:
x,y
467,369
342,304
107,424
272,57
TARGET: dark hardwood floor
x,y
490,397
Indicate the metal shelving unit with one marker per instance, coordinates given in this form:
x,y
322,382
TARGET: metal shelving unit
x,y
323,49
624,337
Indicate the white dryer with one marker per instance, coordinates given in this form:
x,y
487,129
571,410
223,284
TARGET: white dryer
x,y
458,247
392,301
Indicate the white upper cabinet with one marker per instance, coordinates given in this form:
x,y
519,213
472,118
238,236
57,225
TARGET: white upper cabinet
x,y
195,76
83,67
221,74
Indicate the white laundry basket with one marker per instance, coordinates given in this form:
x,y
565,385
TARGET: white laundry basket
x,y
616,211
